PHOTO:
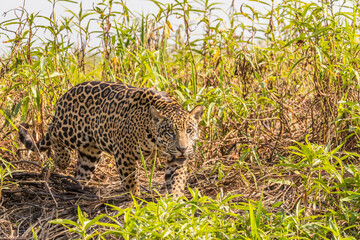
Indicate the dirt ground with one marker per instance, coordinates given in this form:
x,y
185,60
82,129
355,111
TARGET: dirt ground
x,y
38,195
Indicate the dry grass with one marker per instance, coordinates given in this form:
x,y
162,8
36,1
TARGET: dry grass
x,y
281,126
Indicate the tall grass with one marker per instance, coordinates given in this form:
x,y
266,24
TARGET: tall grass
x,y
281,91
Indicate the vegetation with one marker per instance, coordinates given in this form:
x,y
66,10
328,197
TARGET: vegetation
x,y
278,157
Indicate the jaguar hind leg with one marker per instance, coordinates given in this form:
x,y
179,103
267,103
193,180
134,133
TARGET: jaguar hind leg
x,y
175,177
87,161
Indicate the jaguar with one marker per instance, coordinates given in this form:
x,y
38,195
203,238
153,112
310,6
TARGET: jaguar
x,y
126,122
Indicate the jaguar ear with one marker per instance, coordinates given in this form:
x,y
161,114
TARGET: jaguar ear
x,y
197,112
156,115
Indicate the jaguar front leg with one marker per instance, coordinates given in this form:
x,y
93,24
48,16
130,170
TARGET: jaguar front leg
x,y
128,173
88,159
175,177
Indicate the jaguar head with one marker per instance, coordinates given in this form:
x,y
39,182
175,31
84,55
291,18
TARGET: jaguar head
x,y
176,132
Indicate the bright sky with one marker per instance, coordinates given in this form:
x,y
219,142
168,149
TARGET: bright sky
x,y
45,6
136,6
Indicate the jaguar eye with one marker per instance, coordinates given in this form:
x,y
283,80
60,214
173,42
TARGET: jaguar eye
x,y
171,133
189,130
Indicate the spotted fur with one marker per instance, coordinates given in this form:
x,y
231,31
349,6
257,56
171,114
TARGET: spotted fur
x,y
96,117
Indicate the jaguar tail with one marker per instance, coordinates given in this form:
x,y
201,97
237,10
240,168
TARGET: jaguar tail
x,y
28,141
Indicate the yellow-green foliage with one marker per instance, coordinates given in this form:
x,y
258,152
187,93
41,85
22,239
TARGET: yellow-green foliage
x,y
281,96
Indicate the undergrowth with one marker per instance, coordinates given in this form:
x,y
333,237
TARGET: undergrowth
x,y
278,157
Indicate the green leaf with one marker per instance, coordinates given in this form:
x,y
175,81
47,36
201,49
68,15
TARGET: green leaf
x,y
64,221
8,119
94,221
24,109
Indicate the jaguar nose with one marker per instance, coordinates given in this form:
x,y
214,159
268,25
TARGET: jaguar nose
x,y
182,149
